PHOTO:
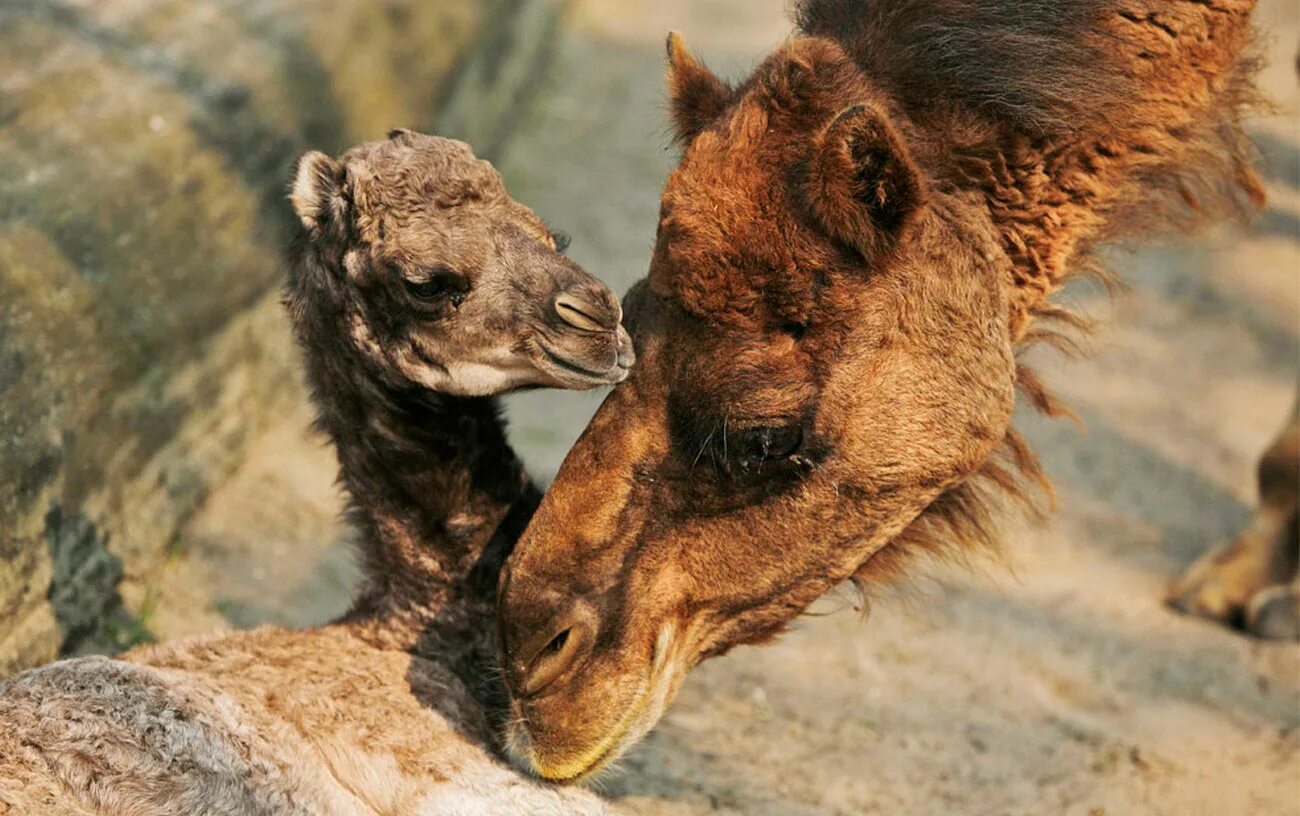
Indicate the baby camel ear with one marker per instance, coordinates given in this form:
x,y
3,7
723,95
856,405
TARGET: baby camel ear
x,y
696,94
317,195
862,183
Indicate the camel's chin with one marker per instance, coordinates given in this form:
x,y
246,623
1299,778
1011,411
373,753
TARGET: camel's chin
x,y
635,717
575,372
575,766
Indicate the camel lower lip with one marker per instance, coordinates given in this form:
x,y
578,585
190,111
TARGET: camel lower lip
x,y
564,777
569,365
573,771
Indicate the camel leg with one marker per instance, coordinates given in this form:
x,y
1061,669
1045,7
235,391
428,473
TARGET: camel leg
x,y
1252,581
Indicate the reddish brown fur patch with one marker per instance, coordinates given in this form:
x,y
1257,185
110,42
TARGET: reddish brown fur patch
x,y
1148,138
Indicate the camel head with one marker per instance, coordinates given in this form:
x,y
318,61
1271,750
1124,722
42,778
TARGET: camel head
x,y
824,353
855,246
412,251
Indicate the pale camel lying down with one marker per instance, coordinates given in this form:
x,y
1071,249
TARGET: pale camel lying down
x,y
418,289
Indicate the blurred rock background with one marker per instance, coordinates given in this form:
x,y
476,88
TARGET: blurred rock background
x,y
145,147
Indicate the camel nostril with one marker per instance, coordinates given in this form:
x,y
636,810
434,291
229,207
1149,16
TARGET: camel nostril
x,y
584,314
557,655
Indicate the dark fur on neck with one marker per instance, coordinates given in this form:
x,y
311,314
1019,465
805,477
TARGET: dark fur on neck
x,y
435,493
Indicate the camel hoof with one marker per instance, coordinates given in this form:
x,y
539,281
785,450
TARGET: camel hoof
x,y
1274,613
1203,593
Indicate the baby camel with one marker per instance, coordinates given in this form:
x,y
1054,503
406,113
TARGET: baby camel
x,y
418,287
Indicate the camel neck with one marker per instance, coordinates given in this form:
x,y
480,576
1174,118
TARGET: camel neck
x,y
436,496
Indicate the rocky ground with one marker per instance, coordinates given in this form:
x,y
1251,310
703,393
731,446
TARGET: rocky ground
x,y
1057,686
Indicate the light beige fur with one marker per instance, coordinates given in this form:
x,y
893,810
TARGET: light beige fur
x,y
269,721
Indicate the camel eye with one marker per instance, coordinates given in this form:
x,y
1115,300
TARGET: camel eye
x,y
752,446
424,290
562,240
439,284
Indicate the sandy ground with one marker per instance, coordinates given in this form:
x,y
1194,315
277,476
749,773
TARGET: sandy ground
x,y
1059,686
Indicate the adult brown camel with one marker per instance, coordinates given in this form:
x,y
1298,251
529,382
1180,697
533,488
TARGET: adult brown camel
x,y
418,287
858,243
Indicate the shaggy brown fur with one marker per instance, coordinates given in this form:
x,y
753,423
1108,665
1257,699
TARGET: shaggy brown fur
x,y
859,241
383,712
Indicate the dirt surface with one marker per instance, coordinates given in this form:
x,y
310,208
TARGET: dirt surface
x,y
1057,686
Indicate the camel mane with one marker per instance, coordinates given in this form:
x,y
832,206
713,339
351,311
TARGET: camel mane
x,y
1028,62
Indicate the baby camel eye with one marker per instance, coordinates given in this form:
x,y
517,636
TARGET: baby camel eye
x,y
438,285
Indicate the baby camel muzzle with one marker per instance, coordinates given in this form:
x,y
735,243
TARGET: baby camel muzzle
x,y
584,340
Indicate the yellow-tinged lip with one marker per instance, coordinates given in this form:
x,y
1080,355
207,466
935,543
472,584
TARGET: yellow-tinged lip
x,y
594,758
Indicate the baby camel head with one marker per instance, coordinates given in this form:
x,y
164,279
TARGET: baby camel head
x,y
413,252
823,352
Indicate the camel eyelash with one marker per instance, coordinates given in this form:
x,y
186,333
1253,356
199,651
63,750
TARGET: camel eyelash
x,y
726,444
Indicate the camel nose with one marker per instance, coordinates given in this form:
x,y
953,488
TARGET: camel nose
x,y
589,308
543,655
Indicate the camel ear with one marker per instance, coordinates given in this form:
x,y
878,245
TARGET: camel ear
x,y
317,194
696,94
862,183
